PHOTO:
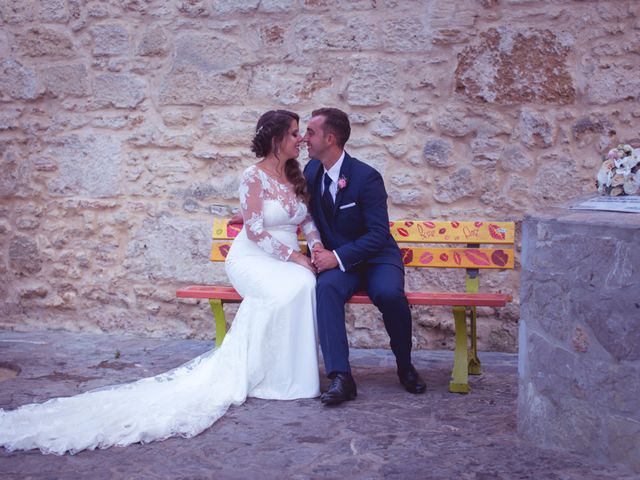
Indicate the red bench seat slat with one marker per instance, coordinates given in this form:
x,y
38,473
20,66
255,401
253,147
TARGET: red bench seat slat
x,y
415,298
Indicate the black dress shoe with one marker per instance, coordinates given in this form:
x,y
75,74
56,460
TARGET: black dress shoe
x,y
411,380
342,388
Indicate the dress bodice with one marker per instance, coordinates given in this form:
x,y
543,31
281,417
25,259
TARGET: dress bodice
x,y
270,207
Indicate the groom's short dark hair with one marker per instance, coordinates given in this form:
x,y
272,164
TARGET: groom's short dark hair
x,y
336,122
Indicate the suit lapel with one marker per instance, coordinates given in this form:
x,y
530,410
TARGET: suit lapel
x,y
317,191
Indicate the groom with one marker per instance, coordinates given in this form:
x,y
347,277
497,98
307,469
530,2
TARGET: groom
x,y
349,207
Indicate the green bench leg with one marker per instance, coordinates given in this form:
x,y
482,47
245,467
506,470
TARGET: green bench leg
x,y
460,376
221,324
474,362
475,368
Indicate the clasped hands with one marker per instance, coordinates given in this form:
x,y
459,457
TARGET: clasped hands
x,y
321,259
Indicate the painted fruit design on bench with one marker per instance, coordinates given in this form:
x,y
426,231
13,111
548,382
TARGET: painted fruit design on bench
x,y
407,255
500,258
233,230
426,258
224,250
497,232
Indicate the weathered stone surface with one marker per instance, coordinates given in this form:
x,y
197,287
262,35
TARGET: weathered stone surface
x,y
272,34
610,83
437,153
286,84
369,82
224,186
194,8
163,138
115,122
548,299
17,11
533,130
310,34
619,430
234,6
118,90
454,122
87,165
357,35
15,180
110,39
579,335
98,10
66,80
615,328
205,70
223,130
486,151
277,6
397,150
316,5
549,184
592,124
5,44
515,67
387,126
413,196
9,118
53,11
44,42
17,82
24,256
154,42
27,223
513,159
33,291
178,116
151,252
405,35
454,187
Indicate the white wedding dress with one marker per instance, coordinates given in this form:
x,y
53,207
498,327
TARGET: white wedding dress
x,y
269,352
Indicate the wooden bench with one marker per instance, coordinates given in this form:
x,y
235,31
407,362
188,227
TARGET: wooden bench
x,y
459,246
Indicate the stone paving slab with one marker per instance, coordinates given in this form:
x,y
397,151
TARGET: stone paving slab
x,y
384,433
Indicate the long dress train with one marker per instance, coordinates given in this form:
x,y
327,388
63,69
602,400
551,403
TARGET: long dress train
x,y
269,352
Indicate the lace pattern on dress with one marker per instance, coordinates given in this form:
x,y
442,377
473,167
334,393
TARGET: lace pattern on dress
x,y
255,188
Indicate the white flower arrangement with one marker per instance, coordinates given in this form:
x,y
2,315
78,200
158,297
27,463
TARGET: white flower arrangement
x,y
620,172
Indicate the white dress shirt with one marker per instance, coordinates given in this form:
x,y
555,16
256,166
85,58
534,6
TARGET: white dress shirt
x,y
334,175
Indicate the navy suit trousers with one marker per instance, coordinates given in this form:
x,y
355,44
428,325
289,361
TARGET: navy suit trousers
x,y
384,284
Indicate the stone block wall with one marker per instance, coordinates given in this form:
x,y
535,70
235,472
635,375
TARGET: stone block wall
x,y
579,355
124,125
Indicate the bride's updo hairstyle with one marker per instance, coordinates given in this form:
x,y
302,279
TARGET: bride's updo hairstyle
x,y
270,131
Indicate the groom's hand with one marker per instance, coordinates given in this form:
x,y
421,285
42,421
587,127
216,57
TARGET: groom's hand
x,y
324,259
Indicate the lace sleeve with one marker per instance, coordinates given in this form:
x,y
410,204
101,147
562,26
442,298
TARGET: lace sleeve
x,y
251,205
310,231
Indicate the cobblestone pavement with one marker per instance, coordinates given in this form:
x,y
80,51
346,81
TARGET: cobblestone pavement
x,y
384,433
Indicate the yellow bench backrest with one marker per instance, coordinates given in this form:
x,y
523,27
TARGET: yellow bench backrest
x,y
413,237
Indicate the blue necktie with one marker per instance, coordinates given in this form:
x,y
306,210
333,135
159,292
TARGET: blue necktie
x,y
327,199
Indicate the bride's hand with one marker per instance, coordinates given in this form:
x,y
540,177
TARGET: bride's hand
x,y
303,260
317,247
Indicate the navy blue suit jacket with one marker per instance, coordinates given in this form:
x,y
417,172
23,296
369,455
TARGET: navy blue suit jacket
x,y
358,230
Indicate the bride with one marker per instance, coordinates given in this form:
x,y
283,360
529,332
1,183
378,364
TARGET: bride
x,y
270,351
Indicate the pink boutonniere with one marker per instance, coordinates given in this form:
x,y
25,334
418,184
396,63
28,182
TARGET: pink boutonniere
x,y
342,182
